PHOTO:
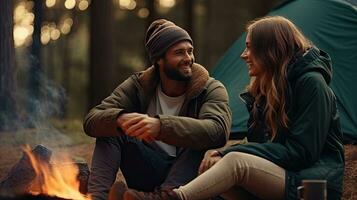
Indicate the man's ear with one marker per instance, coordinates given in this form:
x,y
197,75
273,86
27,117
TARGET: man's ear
x,y
160,62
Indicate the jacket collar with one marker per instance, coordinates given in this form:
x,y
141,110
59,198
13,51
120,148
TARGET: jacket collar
x,y
149,79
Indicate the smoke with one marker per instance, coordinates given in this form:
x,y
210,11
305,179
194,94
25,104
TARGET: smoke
x,y
39,101
51,103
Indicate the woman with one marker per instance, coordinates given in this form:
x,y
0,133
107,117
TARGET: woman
x,y
293,129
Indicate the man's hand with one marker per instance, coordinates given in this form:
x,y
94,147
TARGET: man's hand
x,y
211,157
140,126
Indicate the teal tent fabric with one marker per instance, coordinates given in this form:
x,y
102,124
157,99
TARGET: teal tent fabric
x,y
329,24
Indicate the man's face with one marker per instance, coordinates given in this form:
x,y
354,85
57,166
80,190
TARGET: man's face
x,y
177,62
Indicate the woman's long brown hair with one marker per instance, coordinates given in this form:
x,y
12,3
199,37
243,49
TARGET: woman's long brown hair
x,y
274,42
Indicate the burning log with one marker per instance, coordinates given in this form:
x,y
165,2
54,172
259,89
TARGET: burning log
x,y
33,176
83,176
22,174
31,197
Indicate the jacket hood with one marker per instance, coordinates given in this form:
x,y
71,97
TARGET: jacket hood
x,y
313,60
149,79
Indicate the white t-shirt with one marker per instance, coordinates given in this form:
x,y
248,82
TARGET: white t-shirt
x,y
165,105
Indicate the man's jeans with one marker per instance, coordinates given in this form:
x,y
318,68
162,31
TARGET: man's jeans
x,y
144,166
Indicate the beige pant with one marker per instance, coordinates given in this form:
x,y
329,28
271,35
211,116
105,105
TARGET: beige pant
x,y
235,173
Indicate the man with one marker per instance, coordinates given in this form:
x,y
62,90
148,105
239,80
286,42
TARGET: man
x,y
158,123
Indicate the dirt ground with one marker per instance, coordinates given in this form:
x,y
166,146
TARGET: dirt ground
x,y
10,153
350,179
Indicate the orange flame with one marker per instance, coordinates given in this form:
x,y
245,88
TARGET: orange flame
x,y
55,180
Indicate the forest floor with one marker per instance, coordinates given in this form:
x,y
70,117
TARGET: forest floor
x,y
68,137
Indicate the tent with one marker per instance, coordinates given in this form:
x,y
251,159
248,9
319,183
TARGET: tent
x,y
329,24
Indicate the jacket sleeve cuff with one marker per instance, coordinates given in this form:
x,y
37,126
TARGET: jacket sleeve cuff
x,y
119,129
221,153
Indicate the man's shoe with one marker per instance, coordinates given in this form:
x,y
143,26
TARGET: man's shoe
x,y
117,191
163,194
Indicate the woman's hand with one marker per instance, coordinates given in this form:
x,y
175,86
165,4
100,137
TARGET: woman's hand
x,y
211,157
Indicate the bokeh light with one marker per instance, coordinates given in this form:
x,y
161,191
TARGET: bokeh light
x,y
167,3
55,34
50,3
124,3
20,12
70,4
23,24
45,34
83,5
66,26
20,35
143,13
127,4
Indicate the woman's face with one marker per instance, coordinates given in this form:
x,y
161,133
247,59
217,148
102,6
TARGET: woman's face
x,y
248,57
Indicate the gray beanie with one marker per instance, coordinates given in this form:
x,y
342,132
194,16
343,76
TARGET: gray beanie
x,y
161,35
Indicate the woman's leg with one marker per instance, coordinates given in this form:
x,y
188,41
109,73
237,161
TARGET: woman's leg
x,y
256,175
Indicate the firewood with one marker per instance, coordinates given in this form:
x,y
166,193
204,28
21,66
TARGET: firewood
x,y
22,174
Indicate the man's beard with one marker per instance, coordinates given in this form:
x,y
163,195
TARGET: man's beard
x,y
176,74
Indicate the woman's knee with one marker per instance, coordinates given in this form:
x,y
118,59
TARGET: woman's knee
x,y
237,157
236,160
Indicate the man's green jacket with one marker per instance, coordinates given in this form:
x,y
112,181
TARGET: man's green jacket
x,y
204,121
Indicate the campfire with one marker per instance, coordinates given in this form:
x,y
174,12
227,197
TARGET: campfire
x,y
34,175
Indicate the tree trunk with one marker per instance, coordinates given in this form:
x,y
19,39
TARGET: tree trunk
x,y
66,69
189,15
150,18
8,111
35,71
102,74
152,12
66,74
